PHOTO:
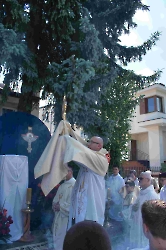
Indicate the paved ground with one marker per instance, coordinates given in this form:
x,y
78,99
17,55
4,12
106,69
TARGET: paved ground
x,y
39,237
113,228
115,231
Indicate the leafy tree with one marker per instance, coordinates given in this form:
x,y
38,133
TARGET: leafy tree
x,y
73,48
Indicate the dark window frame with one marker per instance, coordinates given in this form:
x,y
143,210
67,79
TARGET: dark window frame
x,y
144,105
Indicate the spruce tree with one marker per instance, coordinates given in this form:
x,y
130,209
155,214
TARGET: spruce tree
x,y
73,48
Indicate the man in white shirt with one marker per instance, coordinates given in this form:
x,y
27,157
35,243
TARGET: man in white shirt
x,y
162,177
154,224
147,192
115,183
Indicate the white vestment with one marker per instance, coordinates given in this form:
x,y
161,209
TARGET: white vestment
x,y
88,197
62,149
128,201
137,237
136,181
116,182
90,181
144,248
13,188
59,227
163,193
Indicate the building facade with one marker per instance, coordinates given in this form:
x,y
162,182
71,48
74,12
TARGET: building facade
x,y
11,104
148,127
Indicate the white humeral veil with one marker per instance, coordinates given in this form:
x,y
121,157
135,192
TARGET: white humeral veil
x,y
61,149
13,186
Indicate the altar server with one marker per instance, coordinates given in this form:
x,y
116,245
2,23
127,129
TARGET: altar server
x,y
116,182
61,205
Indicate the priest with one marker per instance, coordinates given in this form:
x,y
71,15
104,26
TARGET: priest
x,y
147,192
88,197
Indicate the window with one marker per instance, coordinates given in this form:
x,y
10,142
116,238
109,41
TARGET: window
x,y
151,104
159,104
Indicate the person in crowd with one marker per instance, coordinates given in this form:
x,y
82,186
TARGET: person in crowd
x,y
154,183
133,175
162,177
88,196
116,182
147,192
61,205
87,235
154,224
128,201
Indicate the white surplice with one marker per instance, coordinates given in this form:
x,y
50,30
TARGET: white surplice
x,y
116,182
88,197
144,248
163,193
59,227
137,237
13,187
128,201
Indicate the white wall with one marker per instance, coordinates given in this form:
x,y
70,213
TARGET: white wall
x,y
135,126
142,143
164,145
155,146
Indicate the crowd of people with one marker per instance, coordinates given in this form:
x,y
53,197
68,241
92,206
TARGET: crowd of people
x,y
135,202
131,208
130,201
79,205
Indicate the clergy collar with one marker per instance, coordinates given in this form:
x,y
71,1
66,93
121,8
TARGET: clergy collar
x,y
146,190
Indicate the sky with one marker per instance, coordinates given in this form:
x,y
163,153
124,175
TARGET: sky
x,y
148,22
